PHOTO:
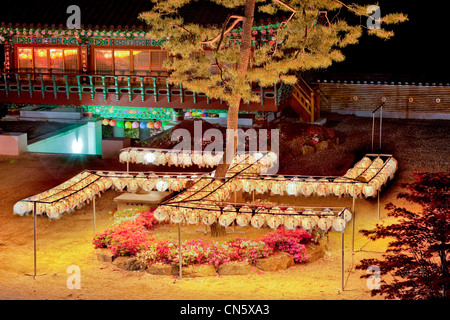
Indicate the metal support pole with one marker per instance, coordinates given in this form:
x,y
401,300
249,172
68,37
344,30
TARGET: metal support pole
x,y
381,123
35,240
342,260
93,205
179,249
378,205
353,224
373,128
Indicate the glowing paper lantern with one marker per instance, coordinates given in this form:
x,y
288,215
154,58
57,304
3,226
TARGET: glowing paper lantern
x,y
128,125
149,157
135,125
143,125
165,123
112,123
339,224
244,216
347,215
291,219
325,224
162,185
120,124
161,213
188,114
150,125
105,122
157,125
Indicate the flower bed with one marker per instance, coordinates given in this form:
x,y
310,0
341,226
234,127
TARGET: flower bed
x,y
129,236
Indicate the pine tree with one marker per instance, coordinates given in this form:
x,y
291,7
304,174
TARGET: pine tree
x,y
300,43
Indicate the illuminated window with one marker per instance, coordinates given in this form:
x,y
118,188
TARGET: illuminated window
x,y
104,61
25,59
141,62
40,60
48,59
122,62
71,60
56,60
128,62
157,59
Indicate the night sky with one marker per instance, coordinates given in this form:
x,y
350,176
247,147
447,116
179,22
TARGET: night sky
x,y
418,51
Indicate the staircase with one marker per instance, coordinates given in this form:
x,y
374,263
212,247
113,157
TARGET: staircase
x,y
305,101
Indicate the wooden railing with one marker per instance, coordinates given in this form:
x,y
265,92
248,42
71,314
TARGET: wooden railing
x,y
16,85
305,96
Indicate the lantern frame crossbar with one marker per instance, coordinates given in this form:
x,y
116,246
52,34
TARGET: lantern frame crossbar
x,y
316,211
227,180
59,191
303,178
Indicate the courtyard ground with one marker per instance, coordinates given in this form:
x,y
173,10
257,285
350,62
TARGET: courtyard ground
x,y
416,144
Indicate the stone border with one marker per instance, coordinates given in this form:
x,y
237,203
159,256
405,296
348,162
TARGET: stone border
x,y
278,261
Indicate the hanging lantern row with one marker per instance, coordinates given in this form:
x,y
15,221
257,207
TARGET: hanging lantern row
x,y
365,179
185,158
79,190
205,192
68,196
258,217
135,124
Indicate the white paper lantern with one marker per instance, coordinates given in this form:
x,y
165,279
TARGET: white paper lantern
x,y
162,184
278,185
176,215
160,158
259,218
185,159
291,220
261,186
192,216
339,224
307,187
340,187
325,223
149,157
124,156
244,217
197,159
308,223
292,187
274,220
347,215
172,159
23,207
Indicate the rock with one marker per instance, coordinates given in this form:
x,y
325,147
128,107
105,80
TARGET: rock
x,y
314,252
307,150
128,263
160,269
322,145
104,255
278,261
195,271
235,268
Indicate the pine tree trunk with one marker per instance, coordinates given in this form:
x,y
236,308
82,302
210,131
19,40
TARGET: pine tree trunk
x,y
218,230
233,108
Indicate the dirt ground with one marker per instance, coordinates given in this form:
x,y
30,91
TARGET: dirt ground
x,y
417,144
